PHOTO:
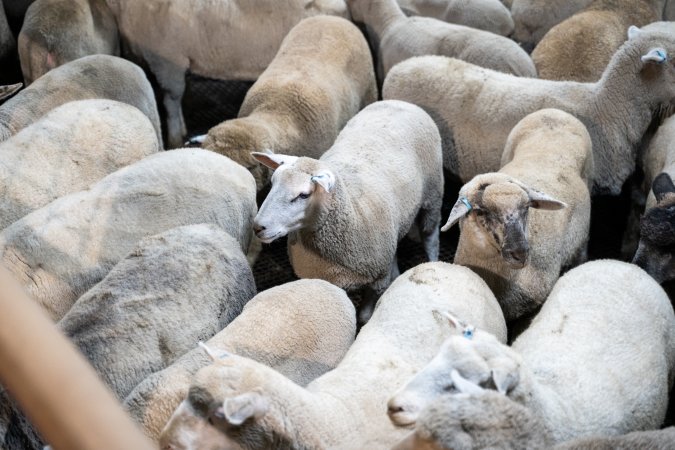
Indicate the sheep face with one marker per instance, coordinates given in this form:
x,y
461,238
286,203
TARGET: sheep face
x,y
480,359
657,233
495,210
299,185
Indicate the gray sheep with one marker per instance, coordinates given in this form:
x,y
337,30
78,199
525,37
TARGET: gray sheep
x,y
61,250
346,212
55,32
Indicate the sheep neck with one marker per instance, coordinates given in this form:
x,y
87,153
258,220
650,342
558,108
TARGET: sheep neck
x,y
381,14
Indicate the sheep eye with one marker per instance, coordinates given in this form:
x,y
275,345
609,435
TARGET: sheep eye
x,y
302,196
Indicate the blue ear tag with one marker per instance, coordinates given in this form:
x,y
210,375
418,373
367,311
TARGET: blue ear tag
x,y
466,202
662,55
468,332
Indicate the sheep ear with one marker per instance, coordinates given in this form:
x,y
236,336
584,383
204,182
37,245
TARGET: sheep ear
x,y
325,179
662,185
239,409
463,385
633,32
273,160
504,380
212,353
459,210
444,316
655,55
9,89
539,200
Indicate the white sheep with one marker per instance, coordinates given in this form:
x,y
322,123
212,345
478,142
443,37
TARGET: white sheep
x,y
322,76
488,15
55,32
61,250
301,329
91,77
66,150
580,47
225,39
346,212
510,234
580,367
533,18
397,37
476,108
256,407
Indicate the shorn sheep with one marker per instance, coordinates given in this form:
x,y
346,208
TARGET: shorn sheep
x,y
55,32
302,329
68,149
580,365
476,108
60,251
224,39
397,37
345,213
322,76
256,407
91,77
522,225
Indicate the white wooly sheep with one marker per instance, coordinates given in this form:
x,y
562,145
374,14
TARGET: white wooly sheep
x,y
652,440
71,147
256,407
224,39
174,289
321,77
580,366
580,47
397,37
488,15
301,329
7,41
346,212
90,77
476,108
55,32
510,234
533,18
60,251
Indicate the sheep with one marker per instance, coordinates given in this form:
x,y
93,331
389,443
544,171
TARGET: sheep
x,y
580,365
322,76
71,147
476,108
345,408
533,18
172,290
547,165
7,42
174,36
397,37
580,47
653,440
346,212
488,15
61,250
95,76
302,329
55,32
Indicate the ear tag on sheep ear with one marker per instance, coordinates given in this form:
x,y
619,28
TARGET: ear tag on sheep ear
x,y
656,55
467,203
461,208
212,353
468,331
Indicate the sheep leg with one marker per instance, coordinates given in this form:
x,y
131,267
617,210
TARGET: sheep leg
x,y
171,78
371,294
428,222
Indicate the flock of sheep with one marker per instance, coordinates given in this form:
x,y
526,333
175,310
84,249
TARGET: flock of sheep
x,y
139,254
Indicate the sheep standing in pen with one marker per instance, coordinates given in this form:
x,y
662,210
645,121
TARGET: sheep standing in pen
x,y
346,212
174,289
55,32
71,147
476,108
322,76
256,407
580,367
60,251
397,37
547,165
533,18
91,77
579,48
488,15
302,329
224,39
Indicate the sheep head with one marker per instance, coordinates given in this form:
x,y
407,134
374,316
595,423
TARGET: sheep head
x,y
657,232
655,47
299,185
495,208
479,358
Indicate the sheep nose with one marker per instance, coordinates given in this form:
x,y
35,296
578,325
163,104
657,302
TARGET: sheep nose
x,y
519,255
258,228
